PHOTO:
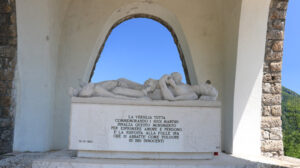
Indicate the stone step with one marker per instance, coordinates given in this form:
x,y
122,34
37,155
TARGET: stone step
x,y
221,161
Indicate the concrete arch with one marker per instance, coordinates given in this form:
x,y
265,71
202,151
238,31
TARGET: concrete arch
x,y
85,30
151,11
64,47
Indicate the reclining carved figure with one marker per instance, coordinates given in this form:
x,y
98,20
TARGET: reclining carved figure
x,y
168,87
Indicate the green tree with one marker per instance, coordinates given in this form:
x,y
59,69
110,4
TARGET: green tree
x,y
291,122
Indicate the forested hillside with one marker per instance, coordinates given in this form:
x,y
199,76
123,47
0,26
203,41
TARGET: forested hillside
x,y
291,122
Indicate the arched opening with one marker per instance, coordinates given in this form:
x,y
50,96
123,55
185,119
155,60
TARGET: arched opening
x,y
137,47
291,83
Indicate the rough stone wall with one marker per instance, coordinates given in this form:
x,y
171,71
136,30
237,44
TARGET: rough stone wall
x,y
7,66
272,144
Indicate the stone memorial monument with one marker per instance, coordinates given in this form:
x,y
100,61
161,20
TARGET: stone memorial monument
x,y
162,119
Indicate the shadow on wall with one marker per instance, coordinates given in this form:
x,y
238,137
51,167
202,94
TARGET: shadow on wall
x,y
248,80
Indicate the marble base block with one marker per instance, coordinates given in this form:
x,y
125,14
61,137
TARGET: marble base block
x,y
143,155
137,129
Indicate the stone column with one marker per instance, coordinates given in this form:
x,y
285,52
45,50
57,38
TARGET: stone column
x,y
8,43
271,141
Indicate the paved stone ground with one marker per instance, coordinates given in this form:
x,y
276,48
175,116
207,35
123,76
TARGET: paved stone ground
x,y
19,160
24,160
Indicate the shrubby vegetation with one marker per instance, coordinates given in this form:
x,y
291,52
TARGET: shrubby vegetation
x,y
291,122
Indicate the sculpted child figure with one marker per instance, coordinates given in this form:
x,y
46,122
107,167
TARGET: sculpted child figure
x,y
172,88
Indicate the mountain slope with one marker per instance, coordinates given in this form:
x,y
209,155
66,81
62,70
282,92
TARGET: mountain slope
x,y
291,122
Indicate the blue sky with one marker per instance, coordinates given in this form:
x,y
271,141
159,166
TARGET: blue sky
x,y
138,49
141,48
291,52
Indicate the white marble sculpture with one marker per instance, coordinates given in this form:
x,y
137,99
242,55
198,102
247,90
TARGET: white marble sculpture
x,y
168,87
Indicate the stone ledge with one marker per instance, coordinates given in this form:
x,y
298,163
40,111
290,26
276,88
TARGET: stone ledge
x,y
104,100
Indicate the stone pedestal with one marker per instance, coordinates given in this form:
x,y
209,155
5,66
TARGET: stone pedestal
x,y
136,129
